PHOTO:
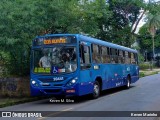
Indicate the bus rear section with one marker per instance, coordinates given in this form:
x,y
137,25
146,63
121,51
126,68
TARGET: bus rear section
x,y
106,65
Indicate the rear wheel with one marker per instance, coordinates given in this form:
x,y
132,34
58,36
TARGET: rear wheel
x,y
128,85
96,90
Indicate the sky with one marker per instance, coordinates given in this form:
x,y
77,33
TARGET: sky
x,y
142,21
152,0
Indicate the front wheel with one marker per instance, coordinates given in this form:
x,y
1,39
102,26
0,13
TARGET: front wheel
x,y
96,90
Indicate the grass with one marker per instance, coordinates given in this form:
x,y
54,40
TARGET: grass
x,y
8,101
148,72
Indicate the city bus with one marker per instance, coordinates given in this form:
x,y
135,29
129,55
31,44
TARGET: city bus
x,y
76,65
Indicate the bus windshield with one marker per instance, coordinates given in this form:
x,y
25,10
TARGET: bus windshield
x,y
54,60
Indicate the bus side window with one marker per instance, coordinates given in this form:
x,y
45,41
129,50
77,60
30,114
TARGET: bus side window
x,y
95,54
108,55
126,57
104,54
81,55
85,57
123,58
133,61
136,58
100,54
129,57
120,56
114,55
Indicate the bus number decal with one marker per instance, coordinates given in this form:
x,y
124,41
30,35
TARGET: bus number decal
x,y
58,79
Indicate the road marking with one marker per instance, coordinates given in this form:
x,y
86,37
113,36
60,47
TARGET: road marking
x,y
55,113
67,109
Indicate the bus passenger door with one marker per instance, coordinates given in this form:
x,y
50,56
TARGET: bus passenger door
x,y
85,68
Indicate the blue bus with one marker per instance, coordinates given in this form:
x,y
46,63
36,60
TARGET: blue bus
x,y
76,65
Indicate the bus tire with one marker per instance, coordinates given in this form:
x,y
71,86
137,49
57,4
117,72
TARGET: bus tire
x,y
96,90
128,85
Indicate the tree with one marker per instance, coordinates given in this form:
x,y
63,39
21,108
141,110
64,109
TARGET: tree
x,y
112,21
153,24
27,19
94,16
125,19
151,27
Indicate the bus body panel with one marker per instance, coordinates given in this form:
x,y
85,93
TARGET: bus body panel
x,y
54,88
112,75
86,82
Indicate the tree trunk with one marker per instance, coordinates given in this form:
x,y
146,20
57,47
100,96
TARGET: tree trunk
x,y
153,48
152,51
137,22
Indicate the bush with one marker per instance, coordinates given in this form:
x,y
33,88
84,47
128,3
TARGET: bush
x,y
15,59
143,66
140,58
142,74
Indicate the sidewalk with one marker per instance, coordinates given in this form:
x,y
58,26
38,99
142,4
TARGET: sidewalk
x,y
8,101
150,72
153,70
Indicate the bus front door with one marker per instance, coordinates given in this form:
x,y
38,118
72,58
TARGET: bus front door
x,y
86,85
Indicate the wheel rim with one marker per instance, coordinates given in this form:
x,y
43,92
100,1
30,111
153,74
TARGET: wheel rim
x,y
128,83
96,89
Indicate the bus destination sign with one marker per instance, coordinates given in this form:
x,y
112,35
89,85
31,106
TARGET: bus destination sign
x,y
54,41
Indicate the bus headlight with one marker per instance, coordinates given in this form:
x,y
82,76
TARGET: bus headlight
x,y
72,82
34,83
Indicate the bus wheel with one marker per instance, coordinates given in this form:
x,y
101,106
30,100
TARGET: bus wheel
x,y
128,85
96,90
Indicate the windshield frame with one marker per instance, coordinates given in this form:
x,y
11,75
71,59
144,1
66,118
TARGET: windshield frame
x,y
43,47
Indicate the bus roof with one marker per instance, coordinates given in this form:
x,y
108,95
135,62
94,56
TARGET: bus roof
x,y
107,44
95,41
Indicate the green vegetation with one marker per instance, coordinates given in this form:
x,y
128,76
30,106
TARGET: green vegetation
x,y
148,72
114,21
149,34
22,20
13,101
144,66
8,101
141,74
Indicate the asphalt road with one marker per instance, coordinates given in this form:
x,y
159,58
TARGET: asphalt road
x,y
144,95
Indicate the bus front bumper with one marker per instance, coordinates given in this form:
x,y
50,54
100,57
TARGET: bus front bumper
x,y
38,91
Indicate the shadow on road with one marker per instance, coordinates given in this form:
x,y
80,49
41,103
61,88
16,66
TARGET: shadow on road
x,y
114,90
81,99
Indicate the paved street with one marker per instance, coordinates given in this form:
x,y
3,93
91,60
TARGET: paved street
x,y
144,95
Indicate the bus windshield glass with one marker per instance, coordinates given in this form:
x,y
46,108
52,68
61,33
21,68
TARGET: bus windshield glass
x,y
54,60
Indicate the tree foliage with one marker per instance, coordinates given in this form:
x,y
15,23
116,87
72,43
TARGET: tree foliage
x,y
22,20
145,39
122,23
149,33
